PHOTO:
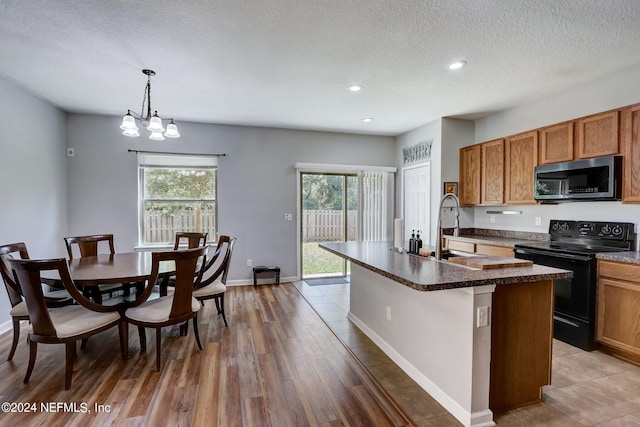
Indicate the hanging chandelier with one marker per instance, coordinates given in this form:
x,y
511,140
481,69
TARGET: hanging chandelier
x,y
152,123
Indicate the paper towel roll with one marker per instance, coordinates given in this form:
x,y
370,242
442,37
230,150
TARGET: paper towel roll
x,y
398,233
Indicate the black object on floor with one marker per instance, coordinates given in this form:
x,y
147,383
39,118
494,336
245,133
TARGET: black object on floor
x,y
265,269
329,281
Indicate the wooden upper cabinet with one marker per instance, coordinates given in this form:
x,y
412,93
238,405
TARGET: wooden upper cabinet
x,y
521,157
556,143
492,176
598,135
470,175
631,129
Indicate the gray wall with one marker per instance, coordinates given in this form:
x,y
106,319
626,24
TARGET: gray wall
x,y
448,135
608,93
33,164
256,181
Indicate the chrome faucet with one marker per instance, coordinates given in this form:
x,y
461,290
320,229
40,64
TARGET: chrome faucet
x,y
456,226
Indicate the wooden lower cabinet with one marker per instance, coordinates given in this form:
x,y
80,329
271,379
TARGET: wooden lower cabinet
x,y
618,318
521,336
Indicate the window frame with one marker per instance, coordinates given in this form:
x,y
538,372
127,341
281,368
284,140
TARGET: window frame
x,y
148,160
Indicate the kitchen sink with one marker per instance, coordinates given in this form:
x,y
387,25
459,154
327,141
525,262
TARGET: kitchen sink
x,y
452,253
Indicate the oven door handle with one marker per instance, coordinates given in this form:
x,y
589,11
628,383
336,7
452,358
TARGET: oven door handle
x,y
553,254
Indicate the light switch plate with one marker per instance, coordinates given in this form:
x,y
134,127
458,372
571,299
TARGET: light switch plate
x,y
288,217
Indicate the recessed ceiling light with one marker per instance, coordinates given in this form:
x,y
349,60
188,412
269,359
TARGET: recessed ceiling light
x,y
355,88
367,119
457,65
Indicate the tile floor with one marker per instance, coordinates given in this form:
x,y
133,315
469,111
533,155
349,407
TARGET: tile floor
x,y
588,388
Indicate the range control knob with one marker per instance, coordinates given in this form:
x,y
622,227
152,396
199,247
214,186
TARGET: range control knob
x,y
606,229
555,226
617,230
564,226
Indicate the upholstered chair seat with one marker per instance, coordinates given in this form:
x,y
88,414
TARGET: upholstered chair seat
x,y
214,288
157,310
77,320
20,309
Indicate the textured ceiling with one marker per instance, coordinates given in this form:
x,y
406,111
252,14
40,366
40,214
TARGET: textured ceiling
x,y
287,63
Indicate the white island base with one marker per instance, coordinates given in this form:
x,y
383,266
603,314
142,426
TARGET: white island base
x,y
435,338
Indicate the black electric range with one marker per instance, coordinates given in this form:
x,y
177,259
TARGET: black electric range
x,y
573,246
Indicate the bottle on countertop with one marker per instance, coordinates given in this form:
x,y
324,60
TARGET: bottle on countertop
x,y
412,242
418,243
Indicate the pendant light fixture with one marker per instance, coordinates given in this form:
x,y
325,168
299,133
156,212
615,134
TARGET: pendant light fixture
x,y
152,123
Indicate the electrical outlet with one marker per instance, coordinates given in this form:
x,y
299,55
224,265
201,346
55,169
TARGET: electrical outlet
x,y
538,221
492,219
483,317
249,263
388,313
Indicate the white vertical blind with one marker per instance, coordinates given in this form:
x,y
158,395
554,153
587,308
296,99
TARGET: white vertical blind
x,y
375,207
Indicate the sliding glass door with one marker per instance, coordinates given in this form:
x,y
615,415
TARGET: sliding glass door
x,y
329,214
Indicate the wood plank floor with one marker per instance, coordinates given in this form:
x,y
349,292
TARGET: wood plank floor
x,y
277,364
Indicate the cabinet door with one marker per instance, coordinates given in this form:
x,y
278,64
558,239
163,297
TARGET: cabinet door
x,y
470,175
631,183
492,176
618,307
598,135
521,157
556,143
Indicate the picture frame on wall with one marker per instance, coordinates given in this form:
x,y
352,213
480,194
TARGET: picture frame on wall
x,y
450,187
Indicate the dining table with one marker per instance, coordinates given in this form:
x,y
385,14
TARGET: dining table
x,y
107,269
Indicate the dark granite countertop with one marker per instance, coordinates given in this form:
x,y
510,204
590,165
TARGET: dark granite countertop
x,y
428,274
629,257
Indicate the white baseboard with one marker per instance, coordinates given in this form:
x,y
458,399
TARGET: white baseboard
x,y
475,419
267,281
6,326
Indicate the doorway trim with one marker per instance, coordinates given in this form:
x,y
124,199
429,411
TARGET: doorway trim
x,y
322,168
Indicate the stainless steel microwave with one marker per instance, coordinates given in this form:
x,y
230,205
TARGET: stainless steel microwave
x,y
590,179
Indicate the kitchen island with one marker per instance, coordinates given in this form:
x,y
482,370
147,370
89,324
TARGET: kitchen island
x,y
478,341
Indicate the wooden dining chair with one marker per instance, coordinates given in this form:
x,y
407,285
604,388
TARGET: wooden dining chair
x,y
63,325
176,308
19,312
90,246
214,278
193,239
